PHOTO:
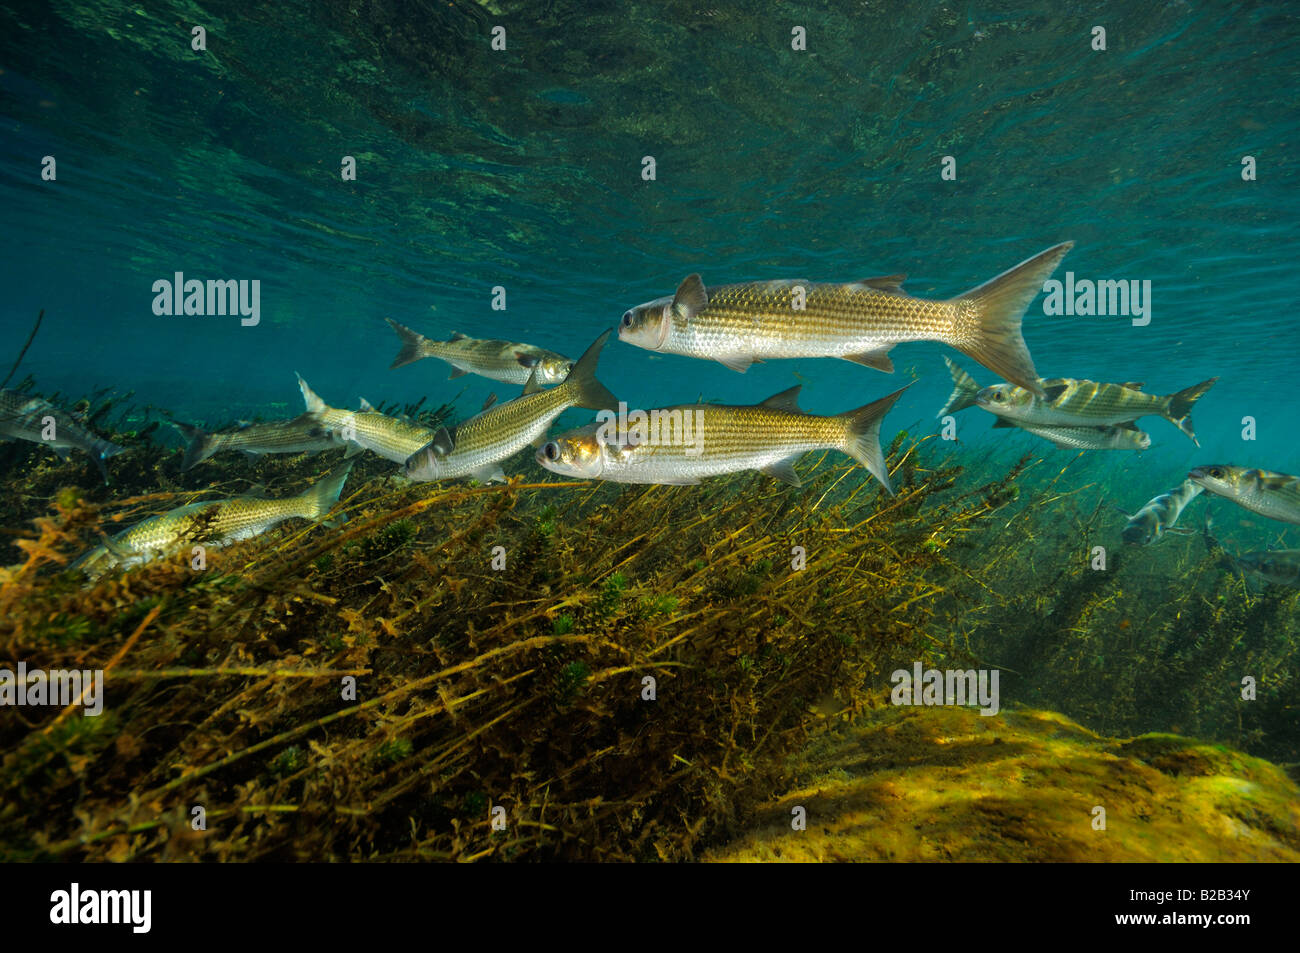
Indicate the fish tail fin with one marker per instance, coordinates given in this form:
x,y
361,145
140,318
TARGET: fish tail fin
x,y
963,392
412,345
585,390
863,439
1180,407
320,498
201,445
314,404
987,324
101,450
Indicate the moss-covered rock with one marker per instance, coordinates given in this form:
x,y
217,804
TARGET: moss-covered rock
x,y
948,784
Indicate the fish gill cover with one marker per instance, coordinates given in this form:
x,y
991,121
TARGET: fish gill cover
x,y
303,654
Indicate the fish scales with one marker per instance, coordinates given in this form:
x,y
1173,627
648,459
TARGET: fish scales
x,y
501,432
859,321
479,445
837,319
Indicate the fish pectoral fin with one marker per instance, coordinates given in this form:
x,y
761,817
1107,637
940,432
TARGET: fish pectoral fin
x,y
353,449
999,422
456,372
737,362
787,400
1126,425
691,298
892,283
249,454
525,360
783,470
491,399
879,359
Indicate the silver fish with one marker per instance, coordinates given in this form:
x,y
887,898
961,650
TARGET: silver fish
x,y
860,322
499,360
477,447
1281,567
305,433
1159,516
1125,436
211,523
32,419
1275,495
1080,403
1117,437
391,437
683,445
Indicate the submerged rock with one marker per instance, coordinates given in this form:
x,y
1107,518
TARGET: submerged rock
x,y
947,784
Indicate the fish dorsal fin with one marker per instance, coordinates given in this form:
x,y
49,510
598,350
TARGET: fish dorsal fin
x,y
366,406
1002,422
443,442
1053,391
892,283
787,400
1135,385
532,387
491,399
457,336
691,298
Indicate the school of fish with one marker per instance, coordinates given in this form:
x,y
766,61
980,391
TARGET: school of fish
x,y
733,324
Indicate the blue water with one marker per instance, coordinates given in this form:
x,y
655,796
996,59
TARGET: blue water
x,y
522,168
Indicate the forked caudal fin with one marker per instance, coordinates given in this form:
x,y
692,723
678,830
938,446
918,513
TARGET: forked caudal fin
x,y
412,345
863,442
584,389
318,499
963,391
1180,407
314,404
201,445
987,325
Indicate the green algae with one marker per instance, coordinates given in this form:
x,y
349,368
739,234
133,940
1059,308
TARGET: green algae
x,y
948,784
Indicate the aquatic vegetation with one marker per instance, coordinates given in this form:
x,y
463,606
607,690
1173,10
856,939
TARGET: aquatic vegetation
x,y
528,688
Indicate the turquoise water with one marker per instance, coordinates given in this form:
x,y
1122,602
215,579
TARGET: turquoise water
x,y
522,168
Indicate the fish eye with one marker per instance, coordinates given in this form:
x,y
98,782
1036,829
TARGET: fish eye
x,y
1216,472
627,319
997,395
551,450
